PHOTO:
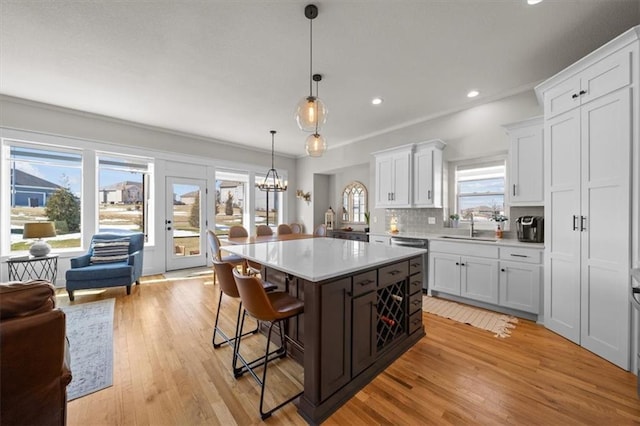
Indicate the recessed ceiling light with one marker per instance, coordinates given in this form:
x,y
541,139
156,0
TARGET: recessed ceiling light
x,y
472,94
376,101
532,2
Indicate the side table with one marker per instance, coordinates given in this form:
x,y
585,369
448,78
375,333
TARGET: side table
x,y
33,268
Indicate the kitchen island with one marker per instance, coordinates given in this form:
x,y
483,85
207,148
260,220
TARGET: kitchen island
x,y
363,309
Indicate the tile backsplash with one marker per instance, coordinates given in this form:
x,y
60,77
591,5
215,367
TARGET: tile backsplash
x,y
417,220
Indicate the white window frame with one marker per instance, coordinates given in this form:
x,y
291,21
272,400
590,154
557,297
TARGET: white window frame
x,y
500,159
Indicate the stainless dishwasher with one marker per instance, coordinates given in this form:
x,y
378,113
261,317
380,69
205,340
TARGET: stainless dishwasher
x,y
422,243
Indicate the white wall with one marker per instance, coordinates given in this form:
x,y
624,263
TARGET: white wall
x,y
174,151
474,132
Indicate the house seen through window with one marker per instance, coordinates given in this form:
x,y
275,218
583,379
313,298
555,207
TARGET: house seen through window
x,y
480,191
46,185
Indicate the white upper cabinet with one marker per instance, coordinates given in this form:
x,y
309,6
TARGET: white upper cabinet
x,y
526,149
427,174
605,76
393,177
410,176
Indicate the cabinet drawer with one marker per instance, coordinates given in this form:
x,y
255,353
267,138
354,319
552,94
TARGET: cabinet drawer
x,y
415,283
378,239
465,249
393,273
364,283
415,265
415,321
415,303
517,254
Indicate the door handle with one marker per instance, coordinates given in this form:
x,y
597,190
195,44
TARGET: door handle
x,y
514,189
428,194
583,219
575,222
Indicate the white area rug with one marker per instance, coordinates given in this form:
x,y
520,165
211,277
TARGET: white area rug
x,y
90,334
499,324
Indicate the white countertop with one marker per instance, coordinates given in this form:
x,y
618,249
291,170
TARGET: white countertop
x,y
476,240
318,259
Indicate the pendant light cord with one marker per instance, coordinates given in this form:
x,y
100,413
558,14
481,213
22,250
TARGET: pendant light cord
x,y
310,57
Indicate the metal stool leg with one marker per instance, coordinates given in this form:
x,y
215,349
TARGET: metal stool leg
x,y
248,366
217,330
263,383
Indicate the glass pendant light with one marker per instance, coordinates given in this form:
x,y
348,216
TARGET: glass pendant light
x,y
315,145
311,113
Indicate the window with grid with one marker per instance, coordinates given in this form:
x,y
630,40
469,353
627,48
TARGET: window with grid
x,y
480,191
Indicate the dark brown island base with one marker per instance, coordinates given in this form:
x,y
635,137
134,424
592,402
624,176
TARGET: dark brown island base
x,y
363,310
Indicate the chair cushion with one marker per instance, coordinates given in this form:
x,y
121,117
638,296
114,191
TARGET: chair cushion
x,y
110,251
100,271
232,258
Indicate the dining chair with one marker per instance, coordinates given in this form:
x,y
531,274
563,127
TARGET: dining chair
x,y
283,228
321,231
216,253
263,230
296,228
275,308
239,231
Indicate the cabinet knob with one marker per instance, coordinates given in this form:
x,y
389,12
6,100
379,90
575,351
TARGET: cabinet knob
x,y
574,96
583,92
503,270
457,263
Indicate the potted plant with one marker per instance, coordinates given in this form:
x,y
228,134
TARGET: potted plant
x,y
454,218
367,216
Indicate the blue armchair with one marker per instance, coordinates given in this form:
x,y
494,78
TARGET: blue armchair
x,y
110,262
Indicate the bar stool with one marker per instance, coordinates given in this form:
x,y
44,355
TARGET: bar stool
x,y
216,253
275,308
228,287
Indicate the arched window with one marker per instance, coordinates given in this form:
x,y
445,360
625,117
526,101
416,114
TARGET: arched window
x,y
354,203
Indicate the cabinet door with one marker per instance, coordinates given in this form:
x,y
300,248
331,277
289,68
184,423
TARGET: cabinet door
x,y
563,97
605,227
335,336
423,173
562,239
364,332
479,279
519,286
444,273
526,175
401,179
384,180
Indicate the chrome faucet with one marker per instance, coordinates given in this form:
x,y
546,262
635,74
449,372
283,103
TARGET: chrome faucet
x,y
472,231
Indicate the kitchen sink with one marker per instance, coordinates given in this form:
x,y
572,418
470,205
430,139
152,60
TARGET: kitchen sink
x,y
456,237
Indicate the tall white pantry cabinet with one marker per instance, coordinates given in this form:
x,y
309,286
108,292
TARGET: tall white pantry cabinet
x,y
591,159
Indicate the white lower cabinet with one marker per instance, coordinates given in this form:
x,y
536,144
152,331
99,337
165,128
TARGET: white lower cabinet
x,y
520,286
503,276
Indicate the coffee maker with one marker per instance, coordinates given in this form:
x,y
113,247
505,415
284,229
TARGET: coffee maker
x,y
530,229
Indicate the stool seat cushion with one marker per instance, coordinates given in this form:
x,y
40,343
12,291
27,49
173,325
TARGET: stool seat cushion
x,y
285,305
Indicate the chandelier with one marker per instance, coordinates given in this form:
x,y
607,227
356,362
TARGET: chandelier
x,y
272,182
311,113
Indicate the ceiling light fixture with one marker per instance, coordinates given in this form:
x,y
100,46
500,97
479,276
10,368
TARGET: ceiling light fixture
x,y
532,2
377,101
272,182
311,112
472,94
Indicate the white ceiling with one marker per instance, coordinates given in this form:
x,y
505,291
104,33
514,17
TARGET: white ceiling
x,y
233,70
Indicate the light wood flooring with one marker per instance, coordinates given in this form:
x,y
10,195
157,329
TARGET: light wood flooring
x,y
166,372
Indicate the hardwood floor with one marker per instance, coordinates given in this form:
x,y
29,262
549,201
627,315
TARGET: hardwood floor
x,y
166,372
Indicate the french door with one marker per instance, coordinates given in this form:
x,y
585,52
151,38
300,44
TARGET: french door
x,y
185,223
